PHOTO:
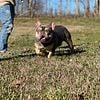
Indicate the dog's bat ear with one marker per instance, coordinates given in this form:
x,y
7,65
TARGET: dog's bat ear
x,y
38,24
52,25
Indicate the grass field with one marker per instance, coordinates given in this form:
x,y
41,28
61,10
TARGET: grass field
x,y
26,76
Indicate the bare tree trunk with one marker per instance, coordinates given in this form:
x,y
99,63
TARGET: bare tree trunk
x,y
87,9
68,12
46,7
77,7
17,7
60,8
30,6
98,7
22,7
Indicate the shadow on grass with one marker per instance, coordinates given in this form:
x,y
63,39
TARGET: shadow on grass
x,y
30,55
61,51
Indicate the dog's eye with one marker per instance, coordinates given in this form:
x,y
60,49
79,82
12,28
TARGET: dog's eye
x,y
39,29
49,34
46,30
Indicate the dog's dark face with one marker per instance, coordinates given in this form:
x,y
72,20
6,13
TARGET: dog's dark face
x,y
44,33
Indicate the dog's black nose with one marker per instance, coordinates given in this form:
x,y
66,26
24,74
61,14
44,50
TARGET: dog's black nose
x,y
42,37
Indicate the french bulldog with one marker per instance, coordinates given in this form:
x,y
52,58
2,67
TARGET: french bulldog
x,y
49,37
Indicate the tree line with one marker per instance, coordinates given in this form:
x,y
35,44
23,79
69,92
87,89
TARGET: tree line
x,y
44,8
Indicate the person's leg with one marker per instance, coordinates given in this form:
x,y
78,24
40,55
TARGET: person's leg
x,y
6,18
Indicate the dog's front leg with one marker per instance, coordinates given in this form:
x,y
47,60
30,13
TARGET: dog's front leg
x,y
38,48
50,54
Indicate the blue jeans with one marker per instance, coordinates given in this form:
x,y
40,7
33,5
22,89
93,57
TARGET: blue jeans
x,y
7,13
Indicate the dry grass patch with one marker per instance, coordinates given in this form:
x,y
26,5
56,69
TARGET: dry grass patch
x,y
26,76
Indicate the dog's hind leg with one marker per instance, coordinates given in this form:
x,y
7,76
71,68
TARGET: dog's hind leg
x,y
70,44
